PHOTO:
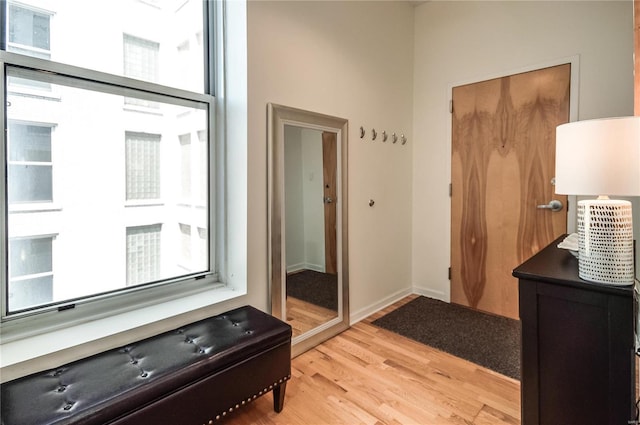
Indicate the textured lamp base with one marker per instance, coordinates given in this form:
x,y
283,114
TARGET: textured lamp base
x,y
605,231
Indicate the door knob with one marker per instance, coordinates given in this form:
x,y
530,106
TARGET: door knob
x,y
554,206
328,200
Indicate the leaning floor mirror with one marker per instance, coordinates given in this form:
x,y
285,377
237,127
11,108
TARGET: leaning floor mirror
x,y
309,267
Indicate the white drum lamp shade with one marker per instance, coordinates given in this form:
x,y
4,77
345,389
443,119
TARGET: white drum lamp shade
x,y
601,158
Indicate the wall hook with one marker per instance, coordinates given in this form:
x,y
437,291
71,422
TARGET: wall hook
x,y
371,202
384,136
404,139
373,134
394,138
361,132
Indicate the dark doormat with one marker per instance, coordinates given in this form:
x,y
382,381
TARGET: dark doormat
x,y
317,288
488,340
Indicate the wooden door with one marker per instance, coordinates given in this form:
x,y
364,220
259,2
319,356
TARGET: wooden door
x,y
329,166
502,166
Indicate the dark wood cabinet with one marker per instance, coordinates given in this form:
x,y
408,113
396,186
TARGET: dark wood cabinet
x,y
578,360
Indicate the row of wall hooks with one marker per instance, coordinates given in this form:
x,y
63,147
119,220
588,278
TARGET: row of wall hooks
x,y
384,136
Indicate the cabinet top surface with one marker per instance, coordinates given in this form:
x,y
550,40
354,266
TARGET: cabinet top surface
x,y
553,264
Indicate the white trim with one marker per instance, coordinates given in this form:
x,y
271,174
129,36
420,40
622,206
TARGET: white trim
x,y
367,311
428,292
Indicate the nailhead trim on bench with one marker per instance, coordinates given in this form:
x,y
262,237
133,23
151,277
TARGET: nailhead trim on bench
x,y
249,400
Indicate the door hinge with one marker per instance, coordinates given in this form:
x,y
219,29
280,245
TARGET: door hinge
x,y
451,106
449,273
450,190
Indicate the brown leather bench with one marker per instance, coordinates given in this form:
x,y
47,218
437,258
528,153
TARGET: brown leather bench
x,y
195,374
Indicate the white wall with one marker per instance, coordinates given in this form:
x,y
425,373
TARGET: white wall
x,y
294,223
304,209
463,42
352,60
312,201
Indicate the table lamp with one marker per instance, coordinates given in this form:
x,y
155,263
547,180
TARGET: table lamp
x,y
601,157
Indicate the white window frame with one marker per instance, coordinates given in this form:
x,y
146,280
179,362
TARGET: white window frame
x,y
29,343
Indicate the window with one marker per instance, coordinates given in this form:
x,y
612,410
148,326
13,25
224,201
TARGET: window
x,y
185,245
95,163
30,35
30,167
143,254
185,162
30,272
143,165
141,62
141,58
29,32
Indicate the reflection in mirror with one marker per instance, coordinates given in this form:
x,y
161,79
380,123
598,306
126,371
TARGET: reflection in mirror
x,y
308,226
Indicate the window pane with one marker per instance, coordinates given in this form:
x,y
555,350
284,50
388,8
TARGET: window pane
x,y
185,165
143,165
29,142
164,38
117,184
27,259
141,58
29,256
29,183
143,254
185,245
26,293
28,27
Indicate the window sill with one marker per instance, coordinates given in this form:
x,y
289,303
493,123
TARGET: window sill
x,y
34,207
40,352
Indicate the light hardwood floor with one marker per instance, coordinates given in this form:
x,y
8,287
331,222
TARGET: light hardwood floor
x,y
368,375
304,316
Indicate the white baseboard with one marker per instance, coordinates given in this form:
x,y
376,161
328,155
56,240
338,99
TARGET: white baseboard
x,y
363,313
305,266
427,292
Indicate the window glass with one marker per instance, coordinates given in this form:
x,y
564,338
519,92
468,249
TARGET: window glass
x,y
30,272
30,256
28,28
141,58
143,254
141,62
29,183
162,39
185,244
29,142
185,165
116,192
143,165
29,171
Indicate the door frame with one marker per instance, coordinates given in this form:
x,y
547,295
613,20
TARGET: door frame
x,y
573,116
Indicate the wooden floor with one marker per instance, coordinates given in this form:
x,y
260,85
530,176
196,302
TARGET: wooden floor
x,y
368,375
304,316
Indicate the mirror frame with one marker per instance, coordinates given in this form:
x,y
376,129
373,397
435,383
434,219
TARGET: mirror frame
x,y
277,117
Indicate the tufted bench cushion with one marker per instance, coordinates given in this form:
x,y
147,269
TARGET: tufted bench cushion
x,y
192,375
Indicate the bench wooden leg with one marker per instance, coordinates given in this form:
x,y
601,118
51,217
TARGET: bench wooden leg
x,y
278,397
